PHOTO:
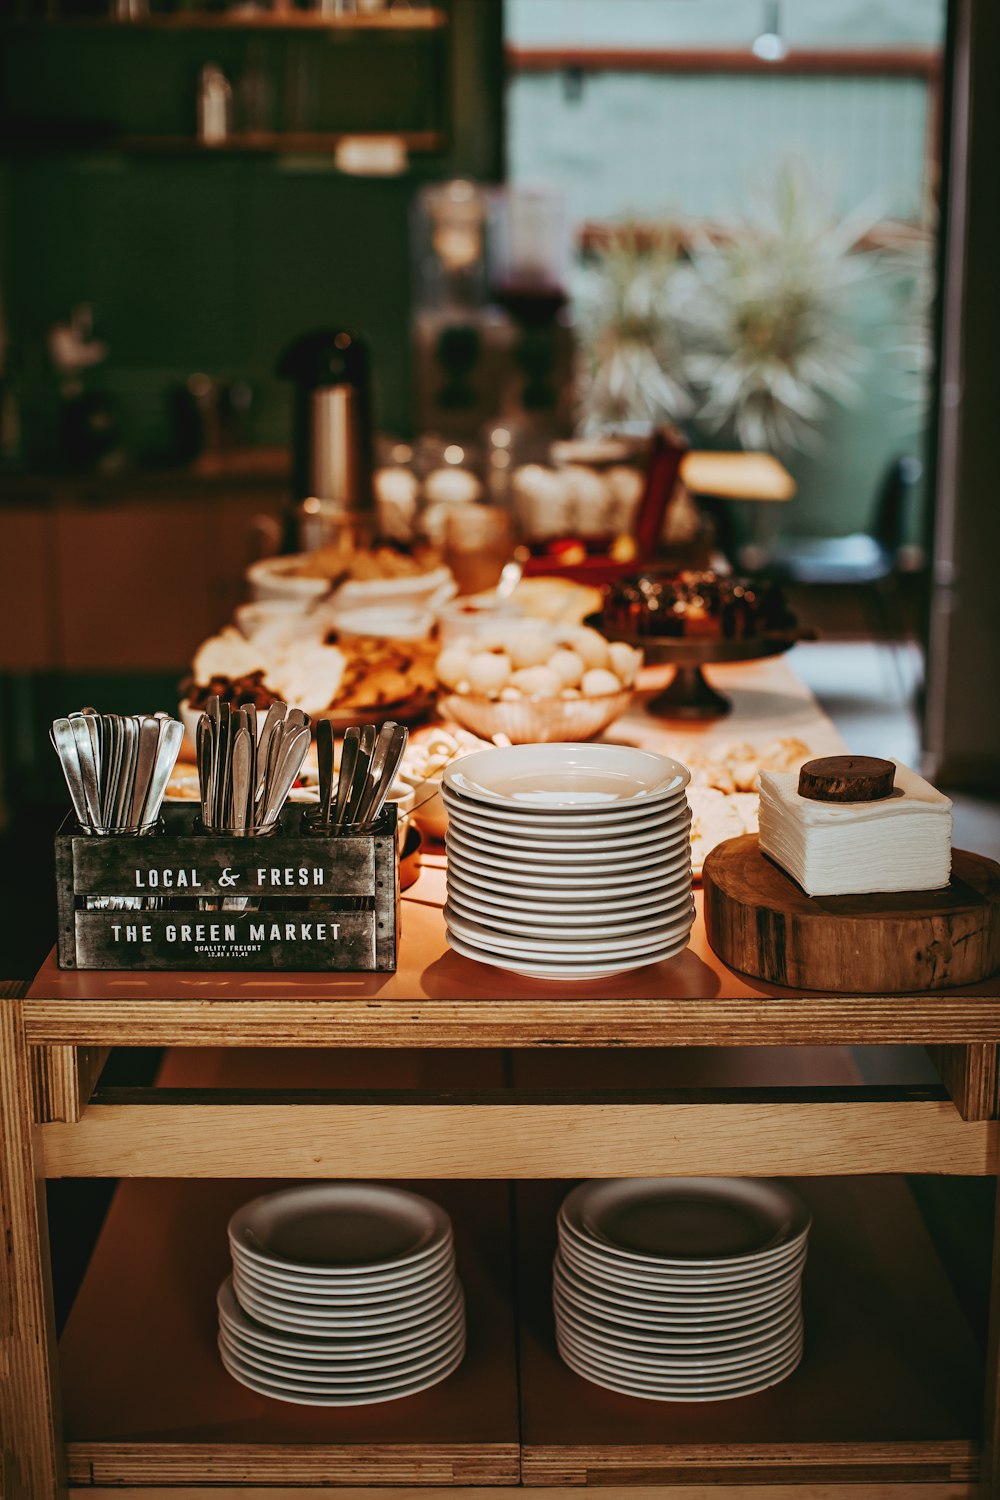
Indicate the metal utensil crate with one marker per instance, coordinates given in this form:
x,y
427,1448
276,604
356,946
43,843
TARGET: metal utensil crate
x,y
172,899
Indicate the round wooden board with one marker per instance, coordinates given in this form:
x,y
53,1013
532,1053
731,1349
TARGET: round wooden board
x,y
763,924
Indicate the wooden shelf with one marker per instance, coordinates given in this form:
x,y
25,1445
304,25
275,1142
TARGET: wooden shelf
x,y
317,1113
393,21
146,1399
289,143
889,1388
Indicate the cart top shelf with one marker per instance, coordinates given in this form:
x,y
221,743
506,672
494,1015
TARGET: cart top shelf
x,y
436,998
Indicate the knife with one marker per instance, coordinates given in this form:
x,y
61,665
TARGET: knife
x,y
242,776
324,759
203,750
222,766
359,782
348,761
126,776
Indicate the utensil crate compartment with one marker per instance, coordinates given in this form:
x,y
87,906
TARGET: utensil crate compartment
x,y
173,899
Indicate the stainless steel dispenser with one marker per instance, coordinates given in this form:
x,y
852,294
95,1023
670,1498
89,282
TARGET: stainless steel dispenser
x,y
332,459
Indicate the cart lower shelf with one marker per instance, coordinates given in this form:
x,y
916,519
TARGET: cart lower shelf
x,y
888,1391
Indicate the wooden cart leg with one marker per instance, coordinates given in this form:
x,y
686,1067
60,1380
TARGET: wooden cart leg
x,y
971,1074
989,1478
30,1446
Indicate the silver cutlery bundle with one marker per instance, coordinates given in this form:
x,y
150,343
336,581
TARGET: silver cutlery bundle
x,y
116,767
244,780
353,801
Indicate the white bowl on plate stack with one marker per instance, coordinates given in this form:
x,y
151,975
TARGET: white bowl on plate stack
x,y
568,861
342,1294
681,1289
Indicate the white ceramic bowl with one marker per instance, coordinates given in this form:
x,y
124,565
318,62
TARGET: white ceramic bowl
x,y
276,579
428,590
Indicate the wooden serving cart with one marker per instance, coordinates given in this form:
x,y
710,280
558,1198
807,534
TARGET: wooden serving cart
x,y
500,1091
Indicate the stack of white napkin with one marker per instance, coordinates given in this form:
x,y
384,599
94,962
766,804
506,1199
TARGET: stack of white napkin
x,y
900,843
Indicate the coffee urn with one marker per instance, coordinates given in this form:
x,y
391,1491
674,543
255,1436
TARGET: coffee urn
x,y
332,458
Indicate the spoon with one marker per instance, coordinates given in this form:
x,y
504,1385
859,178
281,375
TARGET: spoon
x,y
145,764
385,763
82,735
170,732
294,748
275,714
348,761
65,745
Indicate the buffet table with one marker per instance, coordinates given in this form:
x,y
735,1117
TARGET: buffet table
x,y
498,1089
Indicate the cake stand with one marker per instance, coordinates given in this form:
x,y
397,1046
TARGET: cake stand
x,y
689,695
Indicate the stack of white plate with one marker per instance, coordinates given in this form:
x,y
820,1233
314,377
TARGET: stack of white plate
x,y
681,1289
568,861
342,1294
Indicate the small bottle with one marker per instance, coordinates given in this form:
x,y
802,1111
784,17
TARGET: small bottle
x,y
215,106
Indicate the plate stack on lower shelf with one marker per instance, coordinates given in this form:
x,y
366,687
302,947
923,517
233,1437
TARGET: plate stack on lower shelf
x,y
568,861
681,1289
342,1294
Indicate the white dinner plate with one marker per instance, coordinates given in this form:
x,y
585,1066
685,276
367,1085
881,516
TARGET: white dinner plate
x,y
581,851
388,1300
583,1286
689,1343
680,1359
336,1228
364,1344
516,923
289,1283
560,895
561,851
702,1311
593,875
694,1271
250,1379
699,1367
550,910
564,776
570,829
319,1361
560,971
251,1336
313,1323
681,1324
346,1381
562,949
624,855
719,1392
612,815
669,1280
685,1220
